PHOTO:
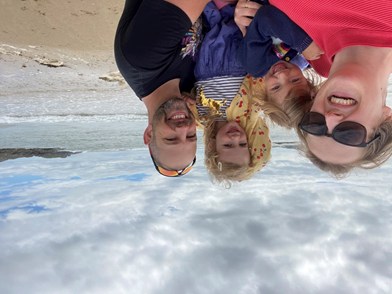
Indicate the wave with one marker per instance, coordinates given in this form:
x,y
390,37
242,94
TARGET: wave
x,y
79,117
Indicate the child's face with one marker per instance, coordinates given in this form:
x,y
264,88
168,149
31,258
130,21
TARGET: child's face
x,y
232,144
282,78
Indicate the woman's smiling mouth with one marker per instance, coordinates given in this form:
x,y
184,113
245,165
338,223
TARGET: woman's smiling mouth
x,y
345,101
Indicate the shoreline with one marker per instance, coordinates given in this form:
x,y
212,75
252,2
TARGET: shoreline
x,y
27,69
44,50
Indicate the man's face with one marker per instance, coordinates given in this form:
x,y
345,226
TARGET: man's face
x,y
174,135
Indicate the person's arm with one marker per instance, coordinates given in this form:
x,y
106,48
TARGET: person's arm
x,y
193,8
257,51
153,35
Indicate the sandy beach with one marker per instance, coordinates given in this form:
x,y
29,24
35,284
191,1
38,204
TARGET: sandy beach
x,y
57,45
59,84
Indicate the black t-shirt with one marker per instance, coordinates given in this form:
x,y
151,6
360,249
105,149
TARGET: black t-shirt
x,y
155,42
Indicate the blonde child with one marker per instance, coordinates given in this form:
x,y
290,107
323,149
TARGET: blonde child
x,y
288,92
227,115
236,138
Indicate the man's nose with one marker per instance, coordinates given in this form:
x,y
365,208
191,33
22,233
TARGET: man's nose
x,y
183,124
183,128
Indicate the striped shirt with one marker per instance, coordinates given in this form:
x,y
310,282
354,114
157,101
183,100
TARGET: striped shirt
x,y
221,89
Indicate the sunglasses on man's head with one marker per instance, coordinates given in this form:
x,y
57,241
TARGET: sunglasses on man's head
x,y
349,133
172,173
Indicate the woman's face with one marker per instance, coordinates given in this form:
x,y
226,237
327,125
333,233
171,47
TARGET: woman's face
x,y
232,144
283,78
347,96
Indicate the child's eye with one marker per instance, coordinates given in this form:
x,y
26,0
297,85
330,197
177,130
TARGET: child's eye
x,y
191,136
274,88
228,145
295,80
243,145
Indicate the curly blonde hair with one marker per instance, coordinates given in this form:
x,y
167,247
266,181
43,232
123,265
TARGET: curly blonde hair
x,y
224,173
377,153
257,134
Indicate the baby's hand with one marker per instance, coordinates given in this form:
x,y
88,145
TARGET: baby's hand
x,y
313,52
244,12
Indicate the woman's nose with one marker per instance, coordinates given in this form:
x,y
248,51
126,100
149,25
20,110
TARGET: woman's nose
x,y
332,118
334,113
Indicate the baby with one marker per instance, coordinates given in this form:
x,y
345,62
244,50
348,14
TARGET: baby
x,y
287,92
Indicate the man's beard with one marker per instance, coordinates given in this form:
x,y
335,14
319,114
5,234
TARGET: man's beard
x,y
173,104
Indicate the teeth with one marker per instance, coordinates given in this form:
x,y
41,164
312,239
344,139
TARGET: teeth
x,y
342,101
178,116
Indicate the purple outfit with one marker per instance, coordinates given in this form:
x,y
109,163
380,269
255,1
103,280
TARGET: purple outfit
x,y
222,50
218,54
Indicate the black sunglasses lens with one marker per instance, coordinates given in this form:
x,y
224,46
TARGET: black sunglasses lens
x,y
314,123
350,133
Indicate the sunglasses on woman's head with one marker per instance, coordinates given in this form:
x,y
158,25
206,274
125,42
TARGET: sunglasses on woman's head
x,y
348,133
172,173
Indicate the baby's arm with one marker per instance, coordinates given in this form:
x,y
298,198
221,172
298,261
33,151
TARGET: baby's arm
x,y
312,52
257,51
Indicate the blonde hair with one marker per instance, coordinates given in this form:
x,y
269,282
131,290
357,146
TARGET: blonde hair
x,y
247,102
377,153
295,104
223,172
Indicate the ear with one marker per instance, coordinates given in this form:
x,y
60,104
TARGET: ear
x,y
148,134
387,113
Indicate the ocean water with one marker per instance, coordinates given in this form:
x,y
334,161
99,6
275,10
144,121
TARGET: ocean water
x,y
74,120
103,221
